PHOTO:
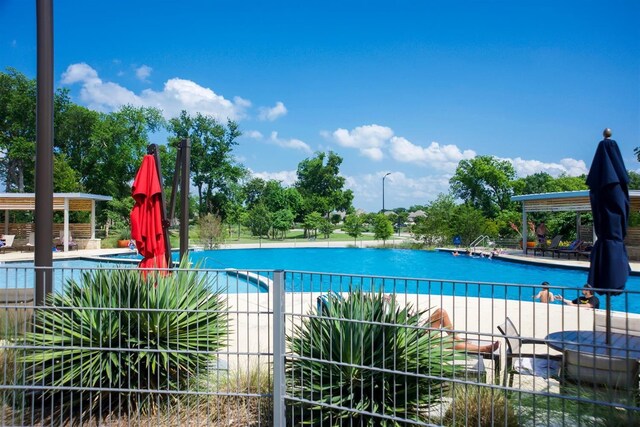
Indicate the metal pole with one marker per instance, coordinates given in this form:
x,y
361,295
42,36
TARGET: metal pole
x,y
608,321
185,181
279,388
43,259
389,173
174,185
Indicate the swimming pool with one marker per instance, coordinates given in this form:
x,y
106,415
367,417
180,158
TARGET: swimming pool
x,y
438,272
21,274
442,267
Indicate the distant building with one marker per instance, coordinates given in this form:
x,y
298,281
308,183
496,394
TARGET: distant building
x,y
414,215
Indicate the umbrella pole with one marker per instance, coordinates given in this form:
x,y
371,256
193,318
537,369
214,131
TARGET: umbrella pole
x,y
608,321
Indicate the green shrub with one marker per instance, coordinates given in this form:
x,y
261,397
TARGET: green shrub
x,y
337,359
119,338
480,406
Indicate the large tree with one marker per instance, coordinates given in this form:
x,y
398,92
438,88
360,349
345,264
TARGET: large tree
x,y
353,226
214,170
321,186
485,182
17,130
435,227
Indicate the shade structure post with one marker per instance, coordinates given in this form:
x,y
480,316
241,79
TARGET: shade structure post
x,y
43,258
184,196
524,229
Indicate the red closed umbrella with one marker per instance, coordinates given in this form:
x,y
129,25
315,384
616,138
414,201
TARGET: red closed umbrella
x,y
148,217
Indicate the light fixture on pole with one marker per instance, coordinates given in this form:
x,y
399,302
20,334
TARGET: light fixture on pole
x,y
388,173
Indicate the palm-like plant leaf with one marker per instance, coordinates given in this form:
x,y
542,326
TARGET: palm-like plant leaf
x,y
117,330
369,355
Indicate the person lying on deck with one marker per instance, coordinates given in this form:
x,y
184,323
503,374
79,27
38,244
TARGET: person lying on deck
x,y
440,319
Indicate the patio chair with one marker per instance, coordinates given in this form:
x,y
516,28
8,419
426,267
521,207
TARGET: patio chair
x,y
542,365
8,243
552,247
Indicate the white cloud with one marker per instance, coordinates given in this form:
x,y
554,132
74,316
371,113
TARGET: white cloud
x,y
287,178
273,113
441,157
368,139
143,72
295,144
571,167
253,134
177,95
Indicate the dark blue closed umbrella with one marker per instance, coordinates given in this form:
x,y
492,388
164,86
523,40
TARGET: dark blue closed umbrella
x,y
608,190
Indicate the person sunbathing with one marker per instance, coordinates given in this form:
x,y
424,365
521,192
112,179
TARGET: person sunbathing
x,y
440,319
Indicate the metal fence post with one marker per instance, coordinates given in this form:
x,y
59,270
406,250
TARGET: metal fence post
x,y
278,348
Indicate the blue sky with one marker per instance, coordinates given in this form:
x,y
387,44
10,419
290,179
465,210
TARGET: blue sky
x,y
407,87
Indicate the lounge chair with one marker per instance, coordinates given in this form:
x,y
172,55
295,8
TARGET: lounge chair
x,y
31,242
542,365
8,243
552,247
60,242
572,249
584,252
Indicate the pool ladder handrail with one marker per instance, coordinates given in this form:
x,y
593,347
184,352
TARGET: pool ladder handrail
x,y
485,240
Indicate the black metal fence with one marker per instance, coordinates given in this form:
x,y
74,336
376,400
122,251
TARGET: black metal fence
x,y
229,347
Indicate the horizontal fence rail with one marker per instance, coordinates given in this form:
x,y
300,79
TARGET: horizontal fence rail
x,y
118,345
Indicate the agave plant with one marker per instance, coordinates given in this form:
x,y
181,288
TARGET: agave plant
x,y
365,361
111,341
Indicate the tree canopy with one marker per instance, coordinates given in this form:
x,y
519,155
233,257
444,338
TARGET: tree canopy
x,y
321,186
485,182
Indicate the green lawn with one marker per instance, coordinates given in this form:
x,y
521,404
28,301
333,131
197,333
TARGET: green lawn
x,y
293,236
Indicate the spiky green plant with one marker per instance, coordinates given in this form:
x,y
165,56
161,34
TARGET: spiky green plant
x,y
118,338
479,406
367,354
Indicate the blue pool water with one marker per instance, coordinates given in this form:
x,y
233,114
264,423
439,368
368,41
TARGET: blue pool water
x,y
423,272
20,275
441,267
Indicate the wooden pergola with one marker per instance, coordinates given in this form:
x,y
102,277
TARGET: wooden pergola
x,y
66,202
576,201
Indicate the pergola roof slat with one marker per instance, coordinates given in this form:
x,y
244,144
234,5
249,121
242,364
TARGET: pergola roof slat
x,y
27,201
576,201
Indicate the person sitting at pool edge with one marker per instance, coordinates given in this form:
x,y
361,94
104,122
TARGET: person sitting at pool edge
x,y
587,300
545,295
440,319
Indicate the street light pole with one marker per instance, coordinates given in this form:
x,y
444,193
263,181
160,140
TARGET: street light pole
x,y
388,173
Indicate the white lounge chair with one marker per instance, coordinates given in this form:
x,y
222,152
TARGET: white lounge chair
x,y
31,242
8,242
